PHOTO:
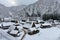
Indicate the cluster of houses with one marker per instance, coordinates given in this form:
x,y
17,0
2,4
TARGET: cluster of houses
x,y
28,26
14,27
9,21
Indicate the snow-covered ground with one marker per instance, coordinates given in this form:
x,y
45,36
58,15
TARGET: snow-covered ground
x,y
6,36
45,34
52,33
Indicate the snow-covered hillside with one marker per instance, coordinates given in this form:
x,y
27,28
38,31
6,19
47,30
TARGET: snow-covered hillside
x,y
39,7
9,11
42,6
15,9
4,12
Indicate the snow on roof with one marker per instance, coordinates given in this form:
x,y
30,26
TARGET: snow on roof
x,y
14,32
37,25
31,29
20,28
7,18
12,27
0,24
46,24
40,21
7,23
27,25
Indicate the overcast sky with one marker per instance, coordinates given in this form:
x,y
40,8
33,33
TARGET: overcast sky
x,y
16,2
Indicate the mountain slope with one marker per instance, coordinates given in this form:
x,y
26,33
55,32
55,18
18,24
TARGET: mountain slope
x,y
42,6
14,9
4,12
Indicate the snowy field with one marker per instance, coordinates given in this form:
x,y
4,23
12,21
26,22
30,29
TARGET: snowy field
x,y
52,33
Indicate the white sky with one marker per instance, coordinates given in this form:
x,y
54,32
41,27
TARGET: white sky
x,y
16,2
